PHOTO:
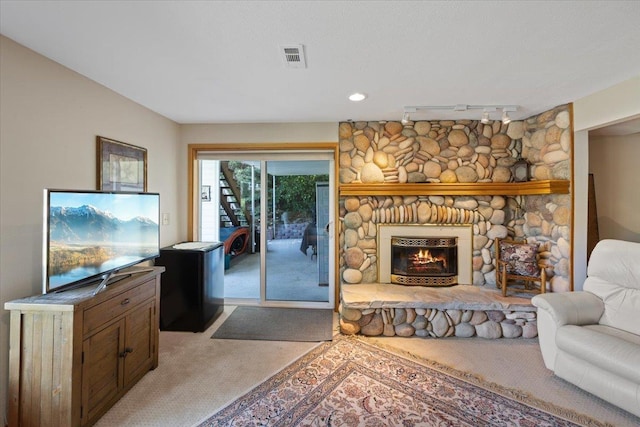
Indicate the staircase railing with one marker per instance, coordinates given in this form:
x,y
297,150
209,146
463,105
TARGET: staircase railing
x,y
235,191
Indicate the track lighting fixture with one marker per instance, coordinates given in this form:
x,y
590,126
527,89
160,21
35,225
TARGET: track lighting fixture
x,y
487,110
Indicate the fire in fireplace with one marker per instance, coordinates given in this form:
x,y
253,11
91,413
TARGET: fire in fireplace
x,y
424,261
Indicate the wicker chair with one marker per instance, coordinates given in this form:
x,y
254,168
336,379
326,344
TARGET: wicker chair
x,y
517,266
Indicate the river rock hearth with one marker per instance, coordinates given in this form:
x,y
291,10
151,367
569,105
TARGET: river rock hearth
x,y
462,311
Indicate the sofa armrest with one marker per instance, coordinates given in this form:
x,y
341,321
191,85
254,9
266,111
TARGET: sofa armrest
x,y
558,309
571,308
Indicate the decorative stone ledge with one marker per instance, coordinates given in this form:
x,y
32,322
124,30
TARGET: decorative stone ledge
x,y
376,309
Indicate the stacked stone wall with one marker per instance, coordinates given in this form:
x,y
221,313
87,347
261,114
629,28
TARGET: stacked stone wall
x,y
451,151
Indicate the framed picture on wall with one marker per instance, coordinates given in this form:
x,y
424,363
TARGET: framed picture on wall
x,y
206,193
120,166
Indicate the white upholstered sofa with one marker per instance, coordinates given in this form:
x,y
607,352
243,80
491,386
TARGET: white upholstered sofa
x,y
591,338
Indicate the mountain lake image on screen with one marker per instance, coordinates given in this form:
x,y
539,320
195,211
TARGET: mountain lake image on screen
x,y
88,234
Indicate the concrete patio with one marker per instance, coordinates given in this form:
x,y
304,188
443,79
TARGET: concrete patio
x,y
291,276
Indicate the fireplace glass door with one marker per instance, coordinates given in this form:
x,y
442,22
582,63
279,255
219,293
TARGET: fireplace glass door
x,y
424,261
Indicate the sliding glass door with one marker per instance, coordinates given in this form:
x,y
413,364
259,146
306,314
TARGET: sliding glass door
x,y
230,213
294,269
273,213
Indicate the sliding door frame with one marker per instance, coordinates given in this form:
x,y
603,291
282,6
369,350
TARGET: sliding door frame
x,y
193,173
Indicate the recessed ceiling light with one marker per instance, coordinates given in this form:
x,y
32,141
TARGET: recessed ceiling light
x,y
355,97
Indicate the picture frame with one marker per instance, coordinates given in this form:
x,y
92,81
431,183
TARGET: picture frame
x,y
206,193
120,166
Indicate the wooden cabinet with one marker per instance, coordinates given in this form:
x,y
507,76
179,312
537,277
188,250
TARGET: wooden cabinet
x,y
72,355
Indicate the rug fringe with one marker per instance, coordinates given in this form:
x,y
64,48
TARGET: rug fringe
x,y
515,394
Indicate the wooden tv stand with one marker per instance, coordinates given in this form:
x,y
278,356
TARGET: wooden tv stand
x,y
73,354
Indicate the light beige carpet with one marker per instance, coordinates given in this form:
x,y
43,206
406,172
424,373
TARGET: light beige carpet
x,y
198,376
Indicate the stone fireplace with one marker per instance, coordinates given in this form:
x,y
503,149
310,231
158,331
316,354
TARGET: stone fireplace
x,y
450,179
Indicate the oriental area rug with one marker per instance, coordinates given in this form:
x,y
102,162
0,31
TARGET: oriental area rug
x,y
348,382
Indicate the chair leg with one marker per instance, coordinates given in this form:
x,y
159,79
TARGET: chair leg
x,y
504,282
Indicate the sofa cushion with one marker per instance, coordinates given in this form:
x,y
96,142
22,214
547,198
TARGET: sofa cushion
x,y
616,262
632,338
614,350
614,276
621,304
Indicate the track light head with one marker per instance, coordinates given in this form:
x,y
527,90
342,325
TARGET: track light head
x,y
406,118
505,117
485,115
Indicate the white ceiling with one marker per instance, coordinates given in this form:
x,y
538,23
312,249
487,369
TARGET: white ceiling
x,y
219,61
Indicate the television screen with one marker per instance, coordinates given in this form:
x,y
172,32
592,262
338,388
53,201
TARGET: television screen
x,y
88,234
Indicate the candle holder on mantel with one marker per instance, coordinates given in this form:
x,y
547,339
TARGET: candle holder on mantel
x,y
520,171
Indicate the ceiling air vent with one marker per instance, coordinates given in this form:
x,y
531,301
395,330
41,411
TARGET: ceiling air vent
x,y
293,56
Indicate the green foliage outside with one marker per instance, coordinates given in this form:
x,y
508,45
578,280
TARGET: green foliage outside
x,y
295,194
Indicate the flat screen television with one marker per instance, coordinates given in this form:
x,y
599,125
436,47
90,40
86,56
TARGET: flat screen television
x,y
90,235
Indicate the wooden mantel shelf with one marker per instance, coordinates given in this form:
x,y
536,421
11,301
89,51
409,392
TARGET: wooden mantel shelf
x,y
458,189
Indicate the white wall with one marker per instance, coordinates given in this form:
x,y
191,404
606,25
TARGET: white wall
x,y
258,132
613,162
609,106
210,211
49,118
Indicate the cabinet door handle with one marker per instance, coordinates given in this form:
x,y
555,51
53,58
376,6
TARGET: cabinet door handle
x,y
125,301
126,351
